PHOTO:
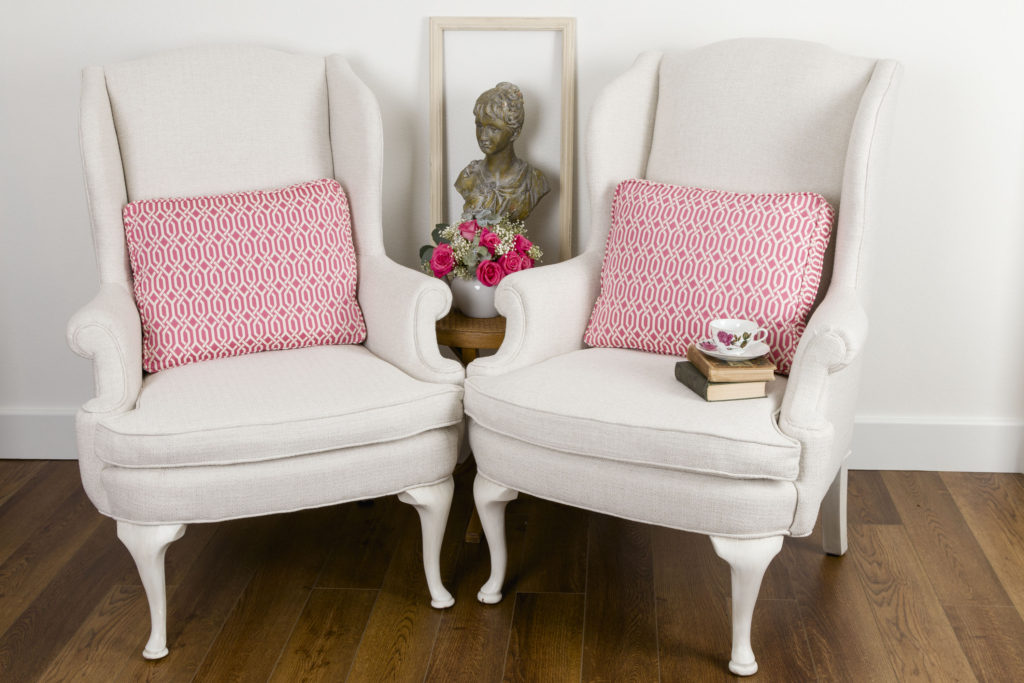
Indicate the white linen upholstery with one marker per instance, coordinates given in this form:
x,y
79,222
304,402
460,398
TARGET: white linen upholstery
x,y
742,508
250,119
547,308
611,430
271,405
779,122
212,493
175,120
109,331
270,432
626,406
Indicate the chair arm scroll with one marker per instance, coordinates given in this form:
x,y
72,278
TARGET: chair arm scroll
x,y
400,307
108,331
547,310
833,339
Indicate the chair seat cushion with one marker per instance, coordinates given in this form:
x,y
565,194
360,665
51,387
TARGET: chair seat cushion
x,y
273,405
627,406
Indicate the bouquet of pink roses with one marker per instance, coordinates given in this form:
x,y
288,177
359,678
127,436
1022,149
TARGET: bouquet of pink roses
x,y
479,249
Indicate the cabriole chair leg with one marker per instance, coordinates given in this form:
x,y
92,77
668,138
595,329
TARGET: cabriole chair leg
x,y
148,545
433,503
491,500
748,560
833,515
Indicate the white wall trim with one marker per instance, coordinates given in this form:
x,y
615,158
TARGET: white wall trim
x,y
938,444
38,433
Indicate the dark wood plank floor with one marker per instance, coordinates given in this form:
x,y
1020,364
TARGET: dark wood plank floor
x,y
932,589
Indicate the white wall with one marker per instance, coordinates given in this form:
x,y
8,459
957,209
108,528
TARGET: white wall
x,y
947,292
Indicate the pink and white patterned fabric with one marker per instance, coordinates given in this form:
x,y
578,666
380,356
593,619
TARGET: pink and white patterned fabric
x,y
679,257
239,273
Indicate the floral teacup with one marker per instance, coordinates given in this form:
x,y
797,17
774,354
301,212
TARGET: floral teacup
x,y
731,335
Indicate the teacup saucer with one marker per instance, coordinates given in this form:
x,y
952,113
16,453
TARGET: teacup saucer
x,y
753,350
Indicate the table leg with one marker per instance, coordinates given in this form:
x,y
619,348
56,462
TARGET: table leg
x,y
473,529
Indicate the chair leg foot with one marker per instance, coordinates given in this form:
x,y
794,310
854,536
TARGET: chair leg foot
x,y
433,503
491,500
748,559
148,545
833,515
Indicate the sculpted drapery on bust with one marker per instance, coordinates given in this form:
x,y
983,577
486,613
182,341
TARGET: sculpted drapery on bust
x,y
501,182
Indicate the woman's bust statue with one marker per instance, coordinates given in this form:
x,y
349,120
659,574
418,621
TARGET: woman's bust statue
x,y
501,182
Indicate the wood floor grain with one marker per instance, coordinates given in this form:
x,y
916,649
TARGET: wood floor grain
x,y
950,553
620,633
546,641
921,643
326,636
932,589
991,504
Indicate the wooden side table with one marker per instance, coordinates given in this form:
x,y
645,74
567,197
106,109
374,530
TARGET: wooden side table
x,y
466,336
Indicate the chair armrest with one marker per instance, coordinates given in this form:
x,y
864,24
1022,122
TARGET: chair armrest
x,y
818,407
108,331
547,310
400,307
833,339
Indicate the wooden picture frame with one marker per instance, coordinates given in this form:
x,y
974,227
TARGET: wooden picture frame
x,y
438,166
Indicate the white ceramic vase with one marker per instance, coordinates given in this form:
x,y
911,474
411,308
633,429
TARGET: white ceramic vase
x,y
473,299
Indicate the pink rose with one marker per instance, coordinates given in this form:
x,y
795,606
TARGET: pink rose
x,y
468,230
513,262
522,244
489,273
489,239
442,260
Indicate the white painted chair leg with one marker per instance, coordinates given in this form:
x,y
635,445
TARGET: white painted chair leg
x,y
833,515
433,503
148,545
491,500
748,559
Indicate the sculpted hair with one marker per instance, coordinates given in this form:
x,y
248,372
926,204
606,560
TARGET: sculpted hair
x,y
503,102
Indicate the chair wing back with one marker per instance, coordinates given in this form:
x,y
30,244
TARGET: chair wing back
x,y
218,119
757,116
751,115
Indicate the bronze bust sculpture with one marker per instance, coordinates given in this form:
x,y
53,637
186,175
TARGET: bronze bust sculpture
x,y
501,182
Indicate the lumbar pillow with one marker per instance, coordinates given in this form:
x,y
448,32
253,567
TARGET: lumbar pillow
x,y
239,273
679,257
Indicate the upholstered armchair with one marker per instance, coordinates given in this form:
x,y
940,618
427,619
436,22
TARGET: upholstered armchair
x,y
610,429
275,431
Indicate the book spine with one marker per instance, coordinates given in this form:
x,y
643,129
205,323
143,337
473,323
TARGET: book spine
x,y
699,360
692,378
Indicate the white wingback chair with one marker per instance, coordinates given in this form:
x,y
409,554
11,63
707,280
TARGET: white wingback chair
x,y
611,430
267,432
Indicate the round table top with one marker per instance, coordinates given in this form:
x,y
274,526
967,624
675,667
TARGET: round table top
x,y
456,329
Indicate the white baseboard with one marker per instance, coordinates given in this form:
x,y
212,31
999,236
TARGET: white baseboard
x,y
45,434
886,443
879,443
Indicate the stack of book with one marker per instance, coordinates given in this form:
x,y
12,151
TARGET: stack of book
x,y
721,380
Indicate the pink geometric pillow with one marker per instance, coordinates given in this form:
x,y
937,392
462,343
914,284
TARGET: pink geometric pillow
x,y
679,257
239,273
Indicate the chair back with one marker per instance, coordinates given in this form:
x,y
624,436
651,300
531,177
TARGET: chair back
x,y
755,115
216,119
219,119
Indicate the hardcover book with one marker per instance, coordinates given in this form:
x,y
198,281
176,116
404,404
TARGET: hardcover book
x,y
688,374
753,370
